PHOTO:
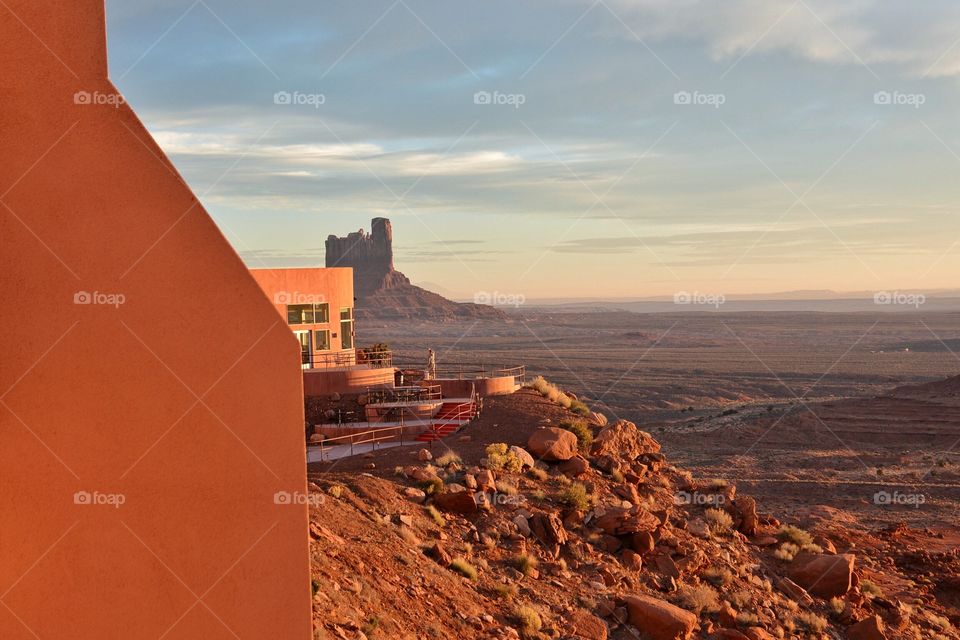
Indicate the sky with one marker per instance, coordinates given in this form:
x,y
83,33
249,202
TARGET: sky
x,y
568,148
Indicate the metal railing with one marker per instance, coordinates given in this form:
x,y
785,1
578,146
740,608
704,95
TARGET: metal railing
x,y
396,395
467,371
380,359
374,436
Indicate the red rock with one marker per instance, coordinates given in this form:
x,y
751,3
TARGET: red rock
x,y
623,440
824,575
729,634
486,481
584,626
727,616
523,455
794,591
869,629
756,633
548,528
632,560
643,542
746,509
666,566
574,467
460,502
658,619
553,444
438,553
619,522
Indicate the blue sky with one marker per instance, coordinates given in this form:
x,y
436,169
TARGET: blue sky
x,y
628,147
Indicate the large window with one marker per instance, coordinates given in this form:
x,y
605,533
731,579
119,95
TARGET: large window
x,y
346,328
308,313
321,340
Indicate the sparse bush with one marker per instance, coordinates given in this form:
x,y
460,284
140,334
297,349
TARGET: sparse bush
x,y
616,475
448,459
437,516
741,598
499,458
539,474
795,535
582,431
371,625
336,491
464,568
398,471
837,606
529,619
580,409
507,488
698,599
525,563
575,496
539,495
506,591
564,401
787,552
715,484
718,576
745,619
871,589
433,486
720,521
812,548
811,622
409,536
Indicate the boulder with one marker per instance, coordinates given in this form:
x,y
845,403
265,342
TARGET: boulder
x,y
438,553
619,522
597,419
823,575
574,467
548,528
729,634
623,440
414,495
756,633
486,481
424,455
460,502
642,542
746,509
553,444
870,629
658,619
584,626
523,455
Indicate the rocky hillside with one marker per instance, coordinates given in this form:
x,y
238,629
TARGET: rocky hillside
x,y
536,522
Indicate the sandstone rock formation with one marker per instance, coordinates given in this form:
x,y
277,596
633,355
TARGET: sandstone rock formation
x,y
381,290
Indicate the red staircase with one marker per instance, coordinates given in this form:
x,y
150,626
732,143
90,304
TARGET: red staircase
x,y
450,417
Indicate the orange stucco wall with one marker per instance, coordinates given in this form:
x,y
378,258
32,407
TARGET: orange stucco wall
x,y
333,286
152,462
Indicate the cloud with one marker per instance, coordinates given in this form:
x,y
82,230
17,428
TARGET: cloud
x,y
918,38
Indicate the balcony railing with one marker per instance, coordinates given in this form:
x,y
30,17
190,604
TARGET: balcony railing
x,y
379,359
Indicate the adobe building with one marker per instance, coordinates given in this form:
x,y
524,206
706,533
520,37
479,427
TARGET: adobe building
x,y
318,307
152,461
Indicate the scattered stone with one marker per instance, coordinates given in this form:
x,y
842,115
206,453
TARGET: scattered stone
x,y
659,619
574,467
824,575
746,509
623,440
439,553
584,626
870,629
553,444
523,455
458,502
424,455
414,495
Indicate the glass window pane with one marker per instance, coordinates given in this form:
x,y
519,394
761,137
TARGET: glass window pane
x,y
300,314
322,313
322,339
346,313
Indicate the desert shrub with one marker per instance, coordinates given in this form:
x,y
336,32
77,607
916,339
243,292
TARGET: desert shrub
x,y
575,496
812,548
787,552
837,606
499,458
616,475
436,516
506,591
336,491
811,622
464,568
409,536
582,431
564,401
698,599
529,619
398,471
525,563
715,484
580,409
433,486
539,474
539,495
871,589
507,488
741,598
719,520
448,459
540,385
795,535
718,576
745,619
371,625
